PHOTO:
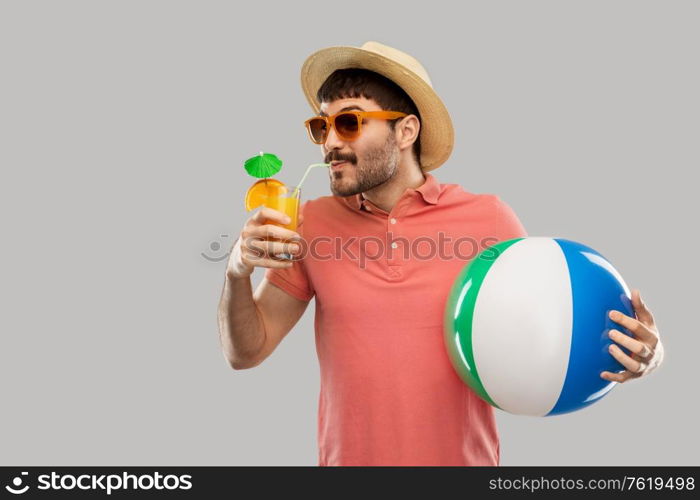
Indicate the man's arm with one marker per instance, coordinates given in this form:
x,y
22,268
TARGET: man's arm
x,y
250,326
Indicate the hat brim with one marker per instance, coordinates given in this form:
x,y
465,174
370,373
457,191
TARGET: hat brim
x,y
436,133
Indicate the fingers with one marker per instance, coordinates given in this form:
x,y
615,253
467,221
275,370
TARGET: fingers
x,y
617,377
639,329
641,310
263,243
642,347
274,263
632,365
265,260
635,346
264,249
261,225
267,215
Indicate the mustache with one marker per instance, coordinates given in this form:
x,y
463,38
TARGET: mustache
x,y
339,157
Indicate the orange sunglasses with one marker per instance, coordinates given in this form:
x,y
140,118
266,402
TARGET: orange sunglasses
x,y
347,124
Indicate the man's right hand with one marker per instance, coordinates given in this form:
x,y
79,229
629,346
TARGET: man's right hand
x,y
253,247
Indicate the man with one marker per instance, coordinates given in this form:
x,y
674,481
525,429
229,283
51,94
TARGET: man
x,y
380,271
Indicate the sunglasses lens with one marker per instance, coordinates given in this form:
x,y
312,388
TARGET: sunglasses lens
x,y
318,129
347,125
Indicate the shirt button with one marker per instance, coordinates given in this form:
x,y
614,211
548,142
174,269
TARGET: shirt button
x,y
394,245
393,221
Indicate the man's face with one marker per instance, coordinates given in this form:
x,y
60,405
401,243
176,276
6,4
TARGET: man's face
x,y
372,158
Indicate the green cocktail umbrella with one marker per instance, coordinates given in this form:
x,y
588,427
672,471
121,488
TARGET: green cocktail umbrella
x,y
263,165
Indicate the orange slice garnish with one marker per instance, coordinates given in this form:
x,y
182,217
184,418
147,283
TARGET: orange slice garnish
x,y
261,190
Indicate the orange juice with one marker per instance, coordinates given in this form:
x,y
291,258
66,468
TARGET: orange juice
x,y
287,203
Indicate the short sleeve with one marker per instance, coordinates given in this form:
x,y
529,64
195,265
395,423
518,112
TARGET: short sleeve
x,y
508,225
293,280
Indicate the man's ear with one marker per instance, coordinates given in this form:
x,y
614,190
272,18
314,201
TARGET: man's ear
x,y
407,130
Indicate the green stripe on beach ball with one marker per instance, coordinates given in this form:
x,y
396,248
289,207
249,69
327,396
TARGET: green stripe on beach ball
x,y
459,314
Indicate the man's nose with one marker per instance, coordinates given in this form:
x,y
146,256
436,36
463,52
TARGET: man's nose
x,y
333,141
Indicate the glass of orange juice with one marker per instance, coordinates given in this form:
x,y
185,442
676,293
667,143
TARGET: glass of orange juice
x,y
275,194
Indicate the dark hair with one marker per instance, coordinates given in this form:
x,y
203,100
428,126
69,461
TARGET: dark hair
x,y
356,82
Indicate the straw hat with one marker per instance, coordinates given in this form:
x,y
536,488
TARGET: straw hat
x,y
436,132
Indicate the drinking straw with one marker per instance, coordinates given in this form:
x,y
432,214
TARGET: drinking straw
x,y
308,169
287,256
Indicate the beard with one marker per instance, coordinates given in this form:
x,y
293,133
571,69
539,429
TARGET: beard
x,y
374,168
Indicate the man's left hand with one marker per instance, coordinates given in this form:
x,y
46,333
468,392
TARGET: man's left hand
x,y
645,347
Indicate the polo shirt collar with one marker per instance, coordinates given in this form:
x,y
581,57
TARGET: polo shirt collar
x,y
429,190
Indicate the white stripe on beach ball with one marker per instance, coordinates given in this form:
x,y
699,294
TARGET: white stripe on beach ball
x,y
526,290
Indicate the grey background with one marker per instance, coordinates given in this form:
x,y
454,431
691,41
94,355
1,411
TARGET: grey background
x,y
123,128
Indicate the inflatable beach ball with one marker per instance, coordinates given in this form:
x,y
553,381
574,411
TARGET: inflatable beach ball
x,y
526,325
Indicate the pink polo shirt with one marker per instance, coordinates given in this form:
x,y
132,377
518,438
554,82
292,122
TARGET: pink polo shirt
x,y
389,395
